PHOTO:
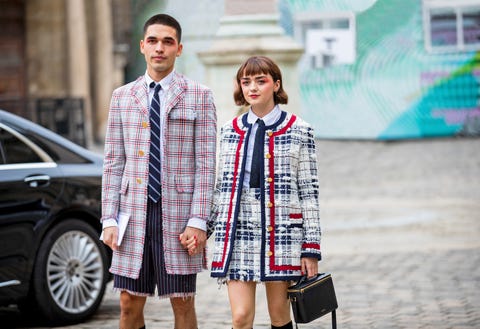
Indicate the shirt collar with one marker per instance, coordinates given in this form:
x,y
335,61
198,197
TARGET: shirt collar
x,y
268,119
165,82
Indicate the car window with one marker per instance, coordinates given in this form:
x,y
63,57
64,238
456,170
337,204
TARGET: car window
x,y
13,150
58,153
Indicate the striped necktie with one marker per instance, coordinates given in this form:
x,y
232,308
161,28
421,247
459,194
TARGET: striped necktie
x,y
154,177
258,156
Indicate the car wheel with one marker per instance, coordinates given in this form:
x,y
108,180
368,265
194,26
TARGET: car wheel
x,y
70,272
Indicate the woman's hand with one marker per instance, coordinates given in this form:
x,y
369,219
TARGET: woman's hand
x,y
309,266
193,240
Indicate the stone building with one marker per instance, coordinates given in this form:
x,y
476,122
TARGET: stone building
x,y
60,60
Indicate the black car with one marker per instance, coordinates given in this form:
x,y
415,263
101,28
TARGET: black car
x,y
51,259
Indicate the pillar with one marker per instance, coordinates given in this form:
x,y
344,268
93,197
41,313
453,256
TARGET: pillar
x,y
104,66
78,60
249,27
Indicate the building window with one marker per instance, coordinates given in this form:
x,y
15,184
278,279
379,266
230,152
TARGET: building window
x,y
329,39
451,26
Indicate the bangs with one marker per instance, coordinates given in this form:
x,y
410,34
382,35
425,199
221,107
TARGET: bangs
x,y
254,66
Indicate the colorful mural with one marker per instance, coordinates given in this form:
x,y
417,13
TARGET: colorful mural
x,y
393,88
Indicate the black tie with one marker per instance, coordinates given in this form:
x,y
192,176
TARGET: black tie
x,y
258,155
154,176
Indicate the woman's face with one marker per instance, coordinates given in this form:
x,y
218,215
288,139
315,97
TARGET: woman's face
x,y
258,90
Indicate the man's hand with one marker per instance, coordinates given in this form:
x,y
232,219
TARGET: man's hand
x,y
194,240
110,237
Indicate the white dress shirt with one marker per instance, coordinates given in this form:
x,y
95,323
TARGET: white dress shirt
x,y
269,120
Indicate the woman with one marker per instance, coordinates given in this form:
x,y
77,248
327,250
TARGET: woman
x,y
266,211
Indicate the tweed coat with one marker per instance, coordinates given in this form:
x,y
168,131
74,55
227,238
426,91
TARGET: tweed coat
x,y
290,220
188,170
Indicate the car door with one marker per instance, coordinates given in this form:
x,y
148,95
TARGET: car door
x,y
30,183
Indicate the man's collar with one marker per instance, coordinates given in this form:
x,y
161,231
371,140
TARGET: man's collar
x,y
165,82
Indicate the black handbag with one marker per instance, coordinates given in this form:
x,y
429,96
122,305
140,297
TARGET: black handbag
x,y
313,298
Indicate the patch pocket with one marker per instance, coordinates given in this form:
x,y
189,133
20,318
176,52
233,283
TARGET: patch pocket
x,y
184,184
296,220
183,114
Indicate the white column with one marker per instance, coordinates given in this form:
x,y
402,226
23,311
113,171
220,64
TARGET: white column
x,y
104,65
78,59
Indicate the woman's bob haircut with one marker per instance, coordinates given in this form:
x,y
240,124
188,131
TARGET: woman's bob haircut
x,y
259,65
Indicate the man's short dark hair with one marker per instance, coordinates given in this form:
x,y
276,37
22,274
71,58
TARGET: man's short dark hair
x,y
164,19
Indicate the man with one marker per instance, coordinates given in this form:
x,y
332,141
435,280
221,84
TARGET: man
x,y
159,172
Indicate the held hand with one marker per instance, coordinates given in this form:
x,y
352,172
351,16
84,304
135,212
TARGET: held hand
x,y
110,237
194,240
309,266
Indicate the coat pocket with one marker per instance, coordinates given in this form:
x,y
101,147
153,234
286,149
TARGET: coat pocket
x,y
296,219
183,114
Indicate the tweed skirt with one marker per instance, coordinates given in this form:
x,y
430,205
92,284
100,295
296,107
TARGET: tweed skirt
x,y
245,262
153,273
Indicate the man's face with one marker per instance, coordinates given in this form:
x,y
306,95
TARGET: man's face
x,y
160,48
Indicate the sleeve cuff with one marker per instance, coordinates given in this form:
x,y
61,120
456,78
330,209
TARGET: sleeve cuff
x,y
197,223
109,223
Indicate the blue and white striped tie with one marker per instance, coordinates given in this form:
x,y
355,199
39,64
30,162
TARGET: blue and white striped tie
x,y
154,176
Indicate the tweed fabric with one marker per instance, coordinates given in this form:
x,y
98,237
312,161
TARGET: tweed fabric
x,y
289,205
153,274
188,169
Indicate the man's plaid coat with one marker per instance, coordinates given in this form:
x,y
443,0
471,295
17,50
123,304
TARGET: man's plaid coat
x,y
290,206
188,169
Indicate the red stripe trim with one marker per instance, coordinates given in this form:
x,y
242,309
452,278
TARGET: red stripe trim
x,y
295,216
234,187
311,246
284,129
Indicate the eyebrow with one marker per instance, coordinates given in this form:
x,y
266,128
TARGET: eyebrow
x,y
256,78
167,38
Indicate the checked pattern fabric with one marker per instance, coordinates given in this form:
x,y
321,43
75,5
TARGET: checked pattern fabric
x,y
154,166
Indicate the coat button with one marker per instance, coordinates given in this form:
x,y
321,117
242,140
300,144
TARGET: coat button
x,y
269,205
269,253
141,153
269,229
269,179
270,133
139,181
268,156
144,124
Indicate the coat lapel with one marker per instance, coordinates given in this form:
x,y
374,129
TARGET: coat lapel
x,y
140,93
175,92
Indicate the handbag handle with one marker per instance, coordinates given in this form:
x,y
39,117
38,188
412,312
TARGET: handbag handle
x,y
304,278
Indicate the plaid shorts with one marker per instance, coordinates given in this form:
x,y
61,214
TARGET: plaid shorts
x,y
153,273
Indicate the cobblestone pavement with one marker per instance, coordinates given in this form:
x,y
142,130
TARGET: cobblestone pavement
x,y
401,225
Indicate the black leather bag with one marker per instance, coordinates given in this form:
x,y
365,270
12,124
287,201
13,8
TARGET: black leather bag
x,y
313,298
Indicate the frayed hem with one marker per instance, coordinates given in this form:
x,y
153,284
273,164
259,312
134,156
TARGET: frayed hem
x,y
184,295
223,281
134,293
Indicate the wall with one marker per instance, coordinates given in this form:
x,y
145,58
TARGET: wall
x,y
394,88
